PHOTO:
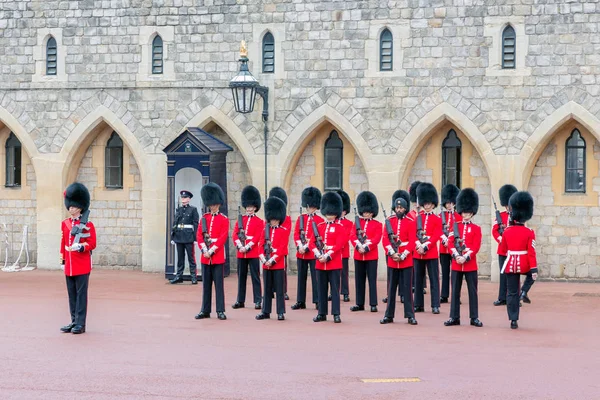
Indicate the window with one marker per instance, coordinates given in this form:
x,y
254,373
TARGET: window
x,y
13,161
575,163
386,62
51,56
334,162
113,162
451,159
268,48
157,55
508,47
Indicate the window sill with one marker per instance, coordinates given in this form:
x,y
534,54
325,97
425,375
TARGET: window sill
x,y
113,187
12,186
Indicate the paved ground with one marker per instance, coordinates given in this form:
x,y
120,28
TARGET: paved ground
x,y
143,343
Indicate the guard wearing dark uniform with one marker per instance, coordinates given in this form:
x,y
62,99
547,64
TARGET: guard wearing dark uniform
x,y
518,242
449,193
183,234
278,192
213,233
465,245
245,238
504,193
78,239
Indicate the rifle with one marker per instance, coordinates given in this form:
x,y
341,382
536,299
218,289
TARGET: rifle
x,y
177,217
420,232
360,234
459,243
302,232
268,247
498,218
241,230
445,223
318,239
206,235
390,231
77,230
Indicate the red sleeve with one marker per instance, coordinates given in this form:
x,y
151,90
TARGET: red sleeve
x,y
496,232
475,246
376,235
450,243
62,241
236,229
200,232
261,242
503,247
90,241
297,230
223,232
437,233
385,239
352,235
531,251
411,233
340,240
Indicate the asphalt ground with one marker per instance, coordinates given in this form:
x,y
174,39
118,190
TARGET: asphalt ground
x,y
142,342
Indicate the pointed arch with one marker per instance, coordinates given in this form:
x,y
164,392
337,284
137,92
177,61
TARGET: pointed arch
x,y
20,132
543,134
422,130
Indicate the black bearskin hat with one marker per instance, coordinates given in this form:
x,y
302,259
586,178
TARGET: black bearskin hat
x,y
332,204
449,193
77,195
212,194
345,201
279,192
467,201
413,191
251,197
367,202
427,193
505,192
400,194
275,209
521,207
311,197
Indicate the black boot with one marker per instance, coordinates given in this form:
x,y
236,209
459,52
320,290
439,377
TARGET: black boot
x,y
452,322
476,322
77,329
238,305
514,325
67,328
500,303
263,316
175,280
346,298
386,320
320,318
412,321
524,298
384,300
357,308
300,305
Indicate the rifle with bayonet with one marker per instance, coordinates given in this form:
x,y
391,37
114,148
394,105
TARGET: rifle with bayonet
x,y
241,230
318,239
301,229
459,243
445,223
268,246
501,226
79,229
206,236
390,232
420,232
360,234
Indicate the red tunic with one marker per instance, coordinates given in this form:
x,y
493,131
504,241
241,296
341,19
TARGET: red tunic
x,y
405,229
253,227
451,217
432,227
495,230
470,233
280,237
348,227
77,263
308,255
287,224
217,226
334,237
518,243
372,229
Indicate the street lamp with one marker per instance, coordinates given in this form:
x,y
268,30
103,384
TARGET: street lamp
x,y
244,88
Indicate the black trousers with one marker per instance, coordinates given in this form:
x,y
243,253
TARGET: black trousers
x,y
400,278
327,279
528,283
457,279
303,267
399,290
212,273
77,288
502,287
362,271
513,281
345,277
273,279
433,270
242,266
183,248
445,262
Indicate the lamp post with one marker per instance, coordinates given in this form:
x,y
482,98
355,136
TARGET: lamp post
x,y
244,88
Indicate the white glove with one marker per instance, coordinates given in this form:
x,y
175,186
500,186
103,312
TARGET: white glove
x,y
173,242
76,246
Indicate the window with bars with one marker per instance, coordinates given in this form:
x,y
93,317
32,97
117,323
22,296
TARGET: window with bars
x,y
51,56
113,162
157,55
509,47
13,161
268,55
334,162
575,163
386,51
451,153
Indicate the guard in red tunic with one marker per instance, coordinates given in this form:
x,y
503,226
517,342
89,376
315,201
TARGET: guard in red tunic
x,y
413,214
465,244
365,236
429,231
330,239
245,238
449,193
518,243
212,236
399,247
347,224
77,242
273,248
303,235
277,191
497,230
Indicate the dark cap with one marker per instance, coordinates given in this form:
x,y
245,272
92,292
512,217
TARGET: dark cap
x,y
186,193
